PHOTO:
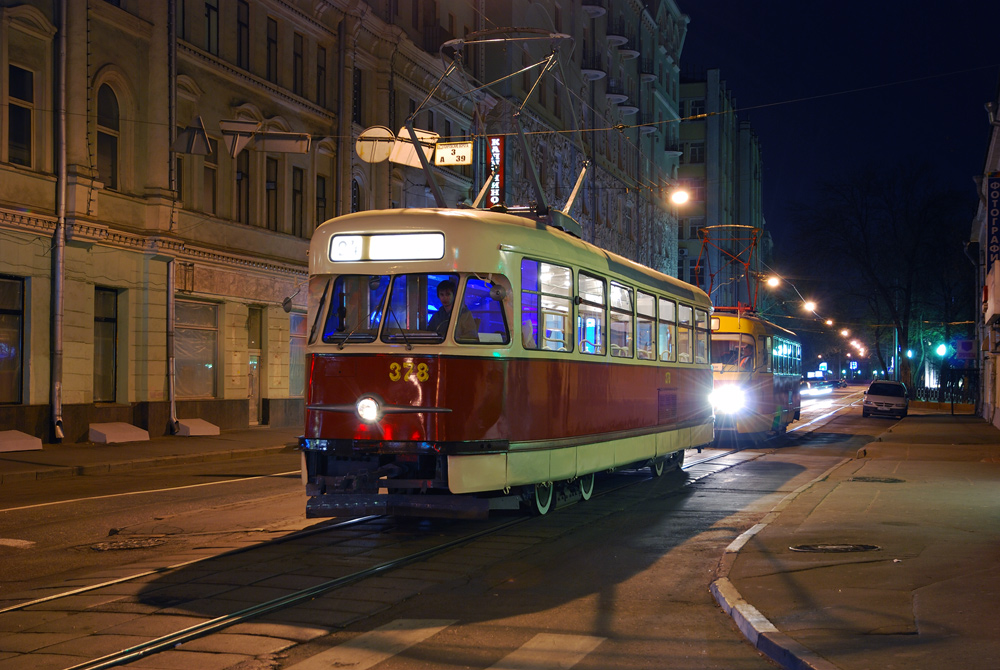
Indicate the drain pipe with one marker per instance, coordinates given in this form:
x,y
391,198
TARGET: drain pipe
x,y
171,361
171,264
59,243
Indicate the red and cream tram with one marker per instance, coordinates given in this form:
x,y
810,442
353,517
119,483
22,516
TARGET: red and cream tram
x,y
555,360
757,367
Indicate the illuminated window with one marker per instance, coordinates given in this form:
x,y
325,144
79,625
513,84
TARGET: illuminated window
x,y
105,343
11,338
621,321
196,354
591,319
546,293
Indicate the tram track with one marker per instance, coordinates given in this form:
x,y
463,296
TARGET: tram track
x,y
172,640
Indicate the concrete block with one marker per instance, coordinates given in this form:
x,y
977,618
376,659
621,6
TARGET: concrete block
x,y
189,427
15,440
117,432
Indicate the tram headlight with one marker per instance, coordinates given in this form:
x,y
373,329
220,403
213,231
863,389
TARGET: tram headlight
x,y
728,399
368,409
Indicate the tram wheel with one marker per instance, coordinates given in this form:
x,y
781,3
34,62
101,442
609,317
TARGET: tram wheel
x,y
587,486
656,467
543,498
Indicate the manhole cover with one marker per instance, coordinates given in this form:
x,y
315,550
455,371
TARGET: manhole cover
x,y
122,545
835,548
877,480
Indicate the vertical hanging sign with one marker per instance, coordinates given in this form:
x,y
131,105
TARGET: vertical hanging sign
x,y
496,163
992,218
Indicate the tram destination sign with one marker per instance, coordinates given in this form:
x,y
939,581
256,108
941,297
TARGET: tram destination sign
x,y
453,153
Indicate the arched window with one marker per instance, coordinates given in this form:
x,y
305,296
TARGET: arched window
x,y
355,196
107,137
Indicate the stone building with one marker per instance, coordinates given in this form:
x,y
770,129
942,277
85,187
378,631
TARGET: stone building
x,y
163,165
721,168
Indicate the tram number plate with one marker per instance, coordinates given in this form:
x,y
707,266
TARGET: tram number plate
x,y
409,371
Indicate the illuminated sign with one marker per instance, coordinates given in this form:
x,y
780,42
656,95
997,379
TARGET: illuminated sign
x,y
453,153
992,218
398,247
496,163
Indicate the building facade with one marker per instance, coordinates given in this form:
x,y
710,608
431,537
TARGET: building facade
x,y
163,165
722,229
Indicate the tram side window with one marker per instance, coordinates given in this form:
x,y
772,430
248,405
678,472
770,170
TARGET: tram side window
x,y
769,354
356,308
797,366
668,330
546,291
701,336
417,311
621,321
645,332
685,322
487,314
591,315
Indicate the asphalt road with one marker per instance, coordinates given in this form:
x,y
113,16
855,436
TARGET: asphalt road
x,y
618,582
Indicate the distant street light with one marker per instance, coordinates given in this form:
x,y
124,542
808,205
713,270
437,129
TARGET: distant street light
x,y
809,306
773,281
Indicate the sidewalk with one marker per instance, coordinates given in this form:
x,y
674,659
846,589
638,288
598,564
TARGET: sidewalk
x,y
67,460
897,560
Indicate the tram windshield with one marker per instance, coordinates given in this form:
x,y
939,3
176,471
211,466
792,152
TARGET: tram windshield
x,y
732,352
356,308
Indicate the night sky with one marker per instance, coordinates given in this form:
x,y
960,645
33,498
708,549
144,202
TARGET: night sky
x,y
831,87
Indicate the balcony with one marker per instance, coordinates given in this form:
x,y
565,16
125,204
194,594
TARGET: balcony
x,y
592,68
434,37
615,92
628,53
594,8
616,33
647,71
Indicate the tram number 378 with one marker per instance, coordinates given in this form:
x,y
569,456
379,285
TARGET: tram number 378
x,y
409,371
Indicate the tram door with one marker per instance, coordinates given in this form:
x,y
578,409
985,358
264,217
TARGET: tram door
x,y
255,320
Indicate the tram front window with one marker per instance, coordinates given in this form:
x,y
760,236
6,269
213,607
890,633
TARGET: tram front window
x,y
732,352
356,308
414,300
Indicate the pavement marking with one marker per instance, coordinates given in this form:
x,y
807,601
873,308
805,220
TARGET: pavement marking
x,y
136,493
547,651
17,544
374,647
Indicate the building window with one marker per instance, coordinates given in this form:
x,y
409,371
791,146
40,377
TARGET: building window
x,y
272,51
321,76
21,90
212,26
180,178
107,137
243,186
179,19
355,196
298,213
297,355
696,152
11,339
356,102
320,199
298,63
271,187
105,343
196,349
697,107
243,34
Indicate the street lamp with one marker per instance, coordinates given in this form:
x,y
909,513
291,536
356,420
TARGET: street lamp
x,y
679,196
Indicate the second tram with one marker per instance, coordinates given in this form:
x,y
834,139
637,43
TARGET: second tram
x,y
757,367
463,360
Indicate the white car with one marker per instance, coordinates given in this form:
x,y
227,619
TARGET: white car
x,y
885,397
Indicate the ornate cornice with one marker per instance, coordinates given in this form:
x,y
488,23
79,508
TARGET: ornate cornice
x,y
88,232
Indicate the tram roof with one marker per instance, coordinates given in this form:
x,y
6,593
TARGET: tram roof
x,y
753,317
493,230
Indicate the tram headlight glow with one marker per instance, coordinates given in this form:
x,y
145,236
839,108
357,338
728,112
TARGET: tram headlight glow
x,y
368,409
728,399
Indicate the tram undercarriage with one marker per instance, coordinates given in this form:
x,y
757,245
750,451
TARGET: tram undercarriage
x,y
404,484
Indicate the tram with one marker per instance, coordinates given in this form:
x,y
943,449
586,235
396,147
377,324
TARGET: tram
x,y
757,367
557,360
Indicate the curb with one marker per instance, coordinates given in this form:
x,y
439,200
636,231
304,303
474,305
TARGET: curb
x,y
61,472
756,628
